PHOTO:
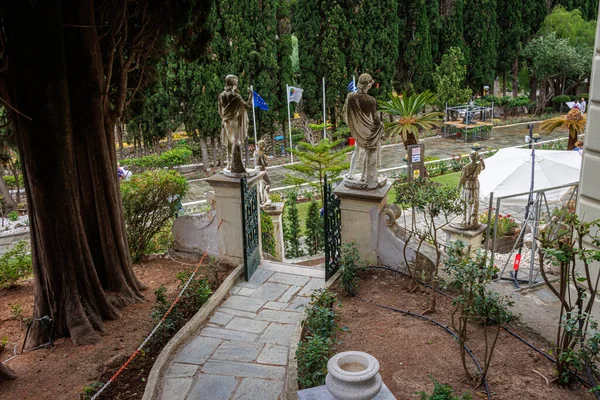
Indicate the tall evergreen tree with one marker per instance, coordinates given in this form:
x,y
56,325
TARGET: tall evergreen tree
x,y
415,66
453,26
511,35
285,47
481,36
307,27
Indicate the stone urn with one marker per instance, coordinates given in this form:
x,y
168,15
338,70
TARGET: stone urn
x,y
353,375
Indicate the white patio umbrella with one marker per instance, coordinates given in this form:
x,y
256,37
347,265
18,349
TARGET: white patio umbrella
x,y
508,172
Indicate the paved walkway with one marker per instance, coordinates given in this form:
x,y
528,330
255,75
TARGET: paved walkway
x,y
242,352
391,156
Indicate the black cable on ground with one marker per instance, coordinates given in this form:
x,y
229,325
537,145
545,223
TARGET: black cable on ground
x,y
505,328
444,327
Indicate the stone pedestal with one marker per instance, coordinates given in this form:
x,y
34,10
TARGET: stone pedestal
x,y
470,237
275,211
360,218
228,205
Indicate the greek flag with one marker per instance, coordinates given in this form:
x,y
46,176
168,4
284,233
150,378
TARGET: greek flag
x,y
351,87
295,94
259,102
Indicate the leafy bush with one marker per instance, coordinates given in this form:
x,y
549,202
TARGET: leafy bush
x,y
443,392
312,355
13,215
350,263
90,390
15,264
11,183
291,228
162,240
169,159
563,98
507,225
276,197
519,101
475,302
342,132
316,347
148,203
267,231
314,227
197,293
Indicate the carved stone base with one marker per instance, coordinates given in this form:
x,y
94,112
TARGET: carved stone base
x,y
354,183
239,175
471,237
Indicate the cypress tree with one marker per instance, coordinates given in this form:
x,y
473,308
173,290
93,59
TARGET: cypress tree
x,y
291,228
284,60
333,61
314,228
481,35
418,58
511,35
306,21
453,27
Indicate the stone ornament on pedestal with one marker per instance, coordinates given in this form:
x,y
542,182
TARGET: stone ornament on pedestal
x,y
353,375
361,116
469,182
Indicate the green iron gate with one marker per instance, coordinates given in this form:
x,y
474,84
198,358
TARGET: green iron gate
x,y
333,230
250,221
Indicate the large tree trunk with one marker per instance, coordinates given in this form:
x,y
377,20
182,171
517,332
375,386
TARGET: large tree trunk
x,y
120,127
204,151
410,140
515,78
81,264
9,202
6,374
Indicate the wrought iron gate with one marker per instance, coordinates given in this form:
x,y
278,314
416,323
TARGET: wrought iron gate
x,y
333,230
250,232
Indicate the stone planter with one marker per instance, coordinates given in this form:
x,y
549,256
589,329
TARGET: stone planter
x,y
353,375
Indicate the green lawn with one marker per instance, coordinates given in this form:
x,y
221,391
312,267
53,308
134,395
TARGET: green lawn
x,y
449,180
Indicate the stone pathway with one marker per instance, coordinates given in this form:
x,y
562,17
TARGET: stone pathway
x,y
242,351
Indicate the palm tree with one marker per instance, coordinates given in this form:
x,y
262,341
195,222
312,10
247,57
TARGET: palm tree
x,y
413,118
574,121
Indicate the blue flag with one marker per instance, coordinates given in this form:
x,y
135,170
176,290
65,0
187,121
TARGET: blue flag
x,y
259,102
351,87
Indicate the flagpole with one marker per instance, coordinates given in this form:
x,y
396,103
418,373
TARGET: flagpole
x,y
324,117
254,119
353,83
287,93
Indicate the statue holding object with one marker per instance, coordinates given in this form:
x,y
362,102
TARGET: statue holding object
x,y
361,116
234,127
469,182
260,160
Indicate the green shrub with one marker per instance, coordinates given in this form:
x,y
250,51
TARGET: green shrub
x,y
90,390
312,355
563,98
291,228
169,159
162,240
13,215
15,264
148,203
267,231
349,265
443,392
11,183
342,132
314,227
317,345
519,101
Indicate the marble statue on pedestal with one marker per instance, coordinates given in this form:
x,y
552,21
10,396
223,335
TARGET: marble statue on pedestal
x,y
469,182
260,160
234,127
360,114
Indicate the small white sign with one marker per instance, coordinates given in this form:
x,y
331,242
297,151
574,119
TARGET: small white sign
x,y
416,158
416,150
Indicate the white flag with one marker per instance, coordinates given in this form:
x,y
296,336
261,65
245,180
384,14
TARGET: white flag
x,y
295,94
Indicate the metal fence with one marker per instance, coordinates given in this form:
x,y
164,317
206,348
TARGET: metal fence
x,y
513,225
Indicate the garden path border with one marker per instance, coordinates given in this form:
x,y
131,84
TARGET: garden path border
x,y
162,361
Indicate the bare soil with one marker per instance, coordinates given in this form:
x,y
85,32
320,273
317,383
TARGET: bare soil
x,y
412,351
62,371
